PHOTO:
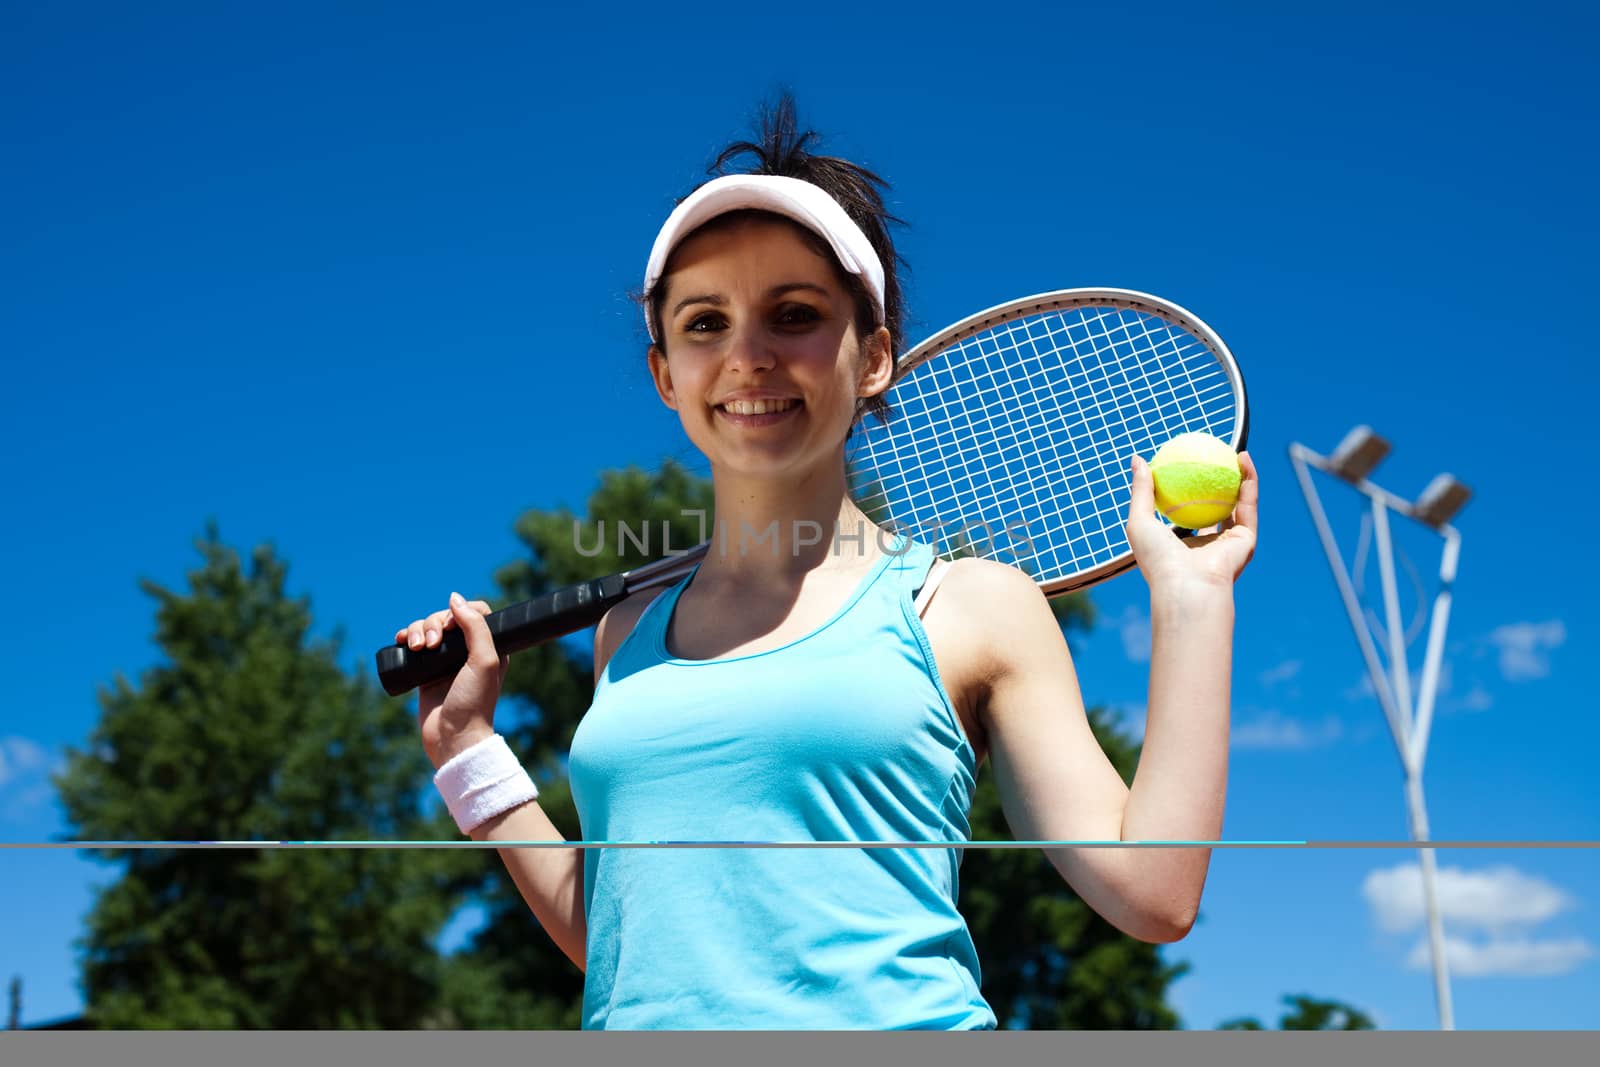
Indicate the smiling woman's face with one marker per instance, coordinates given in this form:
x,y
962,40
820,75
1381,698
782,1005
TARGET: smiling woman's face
x,y
759,352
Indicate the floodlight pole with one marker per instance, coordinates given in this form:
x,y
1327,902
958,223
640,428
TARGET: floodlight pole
x,y
1394,687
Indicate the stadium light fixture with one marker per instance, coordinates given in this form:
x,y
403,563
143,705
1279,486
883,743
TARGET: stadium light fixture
x,y
1356,457
1441,501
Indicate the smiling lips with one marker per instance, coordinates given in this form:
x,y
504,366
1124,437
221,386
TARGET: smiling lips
x,y
758,407
758,412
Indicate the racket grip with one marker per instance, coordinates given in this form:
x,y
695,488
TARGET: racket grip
x,y
514,628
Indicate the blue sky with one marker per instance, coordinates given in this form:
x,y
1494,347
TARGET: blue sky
x,y
277,265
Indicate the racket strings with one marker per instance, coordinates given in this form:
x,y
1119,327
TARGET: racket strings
x,y
1013,443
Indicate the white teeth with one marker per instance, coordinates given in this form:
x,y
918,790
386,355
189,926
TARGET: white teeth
x,y
757,407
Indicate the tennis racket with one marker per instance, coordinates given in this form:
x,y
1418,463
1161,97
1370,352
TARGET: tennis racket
x,y
1010,439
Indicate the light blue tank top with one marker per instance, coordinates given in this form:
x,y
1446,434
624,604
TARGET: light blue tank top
x,y
845,734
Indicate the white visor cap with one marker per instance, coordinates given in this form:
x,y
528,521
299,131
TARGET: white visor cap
x,y
792,198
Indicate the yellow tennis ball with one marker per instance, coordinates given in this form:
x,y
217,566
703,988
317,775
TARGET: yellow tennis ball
x,y
1196,480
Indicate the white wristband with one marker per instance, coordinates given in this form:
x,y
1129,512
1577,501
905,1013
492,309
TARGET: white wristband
x,y
481,782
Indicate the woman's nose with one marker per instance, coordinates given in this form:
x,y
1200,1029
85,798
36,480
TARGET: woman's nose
x,y
750,348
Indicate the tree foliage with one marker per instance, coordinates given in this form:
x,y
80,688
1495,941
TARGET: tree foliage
x,y
250,731
1310,1013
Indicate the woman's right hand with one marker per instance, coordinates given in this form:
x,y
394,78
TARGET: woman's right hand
x,y
456,713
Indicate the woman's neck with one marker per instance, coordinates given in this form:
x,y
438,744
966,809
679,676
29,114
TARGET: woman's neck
x,y
784,528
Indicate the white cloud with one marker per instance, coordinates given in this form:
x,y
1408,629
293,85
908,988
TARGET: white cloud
x,y
1272,729
1517,957
1362,690
1477,699
1492,900
23,805
1524,648
18,756
1281,673
1498,904
1134,626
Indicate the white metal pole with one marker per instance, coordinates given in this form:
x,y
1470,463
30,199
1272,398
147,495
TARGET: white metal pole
x,y
1409,726
1400,672
1441,971
1435,654
1352,605
1399,669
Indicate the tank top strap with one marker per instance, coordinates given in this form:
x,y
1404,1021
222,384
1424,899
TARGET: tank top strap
x,y
937,571
655,615
913,566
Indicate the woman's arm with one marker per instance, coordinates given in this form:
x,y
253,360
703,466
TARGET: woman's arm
x,y
1180,785
1054,780
551,879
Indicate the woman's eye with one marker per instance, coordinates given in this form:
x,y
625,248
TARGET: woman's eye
x,y
703,323
798,314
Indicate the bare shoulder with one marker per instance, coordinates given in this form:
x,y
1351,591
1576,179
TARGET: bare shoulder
x,y
988,595
616,625
996,611
972,622
991,575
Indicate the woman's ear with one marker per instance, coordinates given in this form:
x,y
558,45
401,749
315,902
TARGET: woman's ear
x,y
662,375
877,363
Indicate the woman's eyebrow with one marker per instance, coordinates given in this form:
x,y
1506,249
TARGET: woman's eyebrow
x,y
710,298
716,300
777,290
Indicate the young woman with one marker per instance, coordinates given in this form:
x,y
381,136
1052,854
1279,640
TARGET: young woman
x,y
802,688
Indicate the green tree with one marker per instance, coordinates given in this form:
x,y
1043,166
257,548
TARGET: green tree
x,y
250,730
1309,1013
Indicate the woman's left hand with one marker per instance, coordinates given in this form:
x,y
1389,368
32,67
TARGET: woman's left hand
x,y
1216,558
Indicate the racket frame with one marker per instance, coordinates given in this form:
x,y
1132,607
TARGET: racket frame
x,y
1093,296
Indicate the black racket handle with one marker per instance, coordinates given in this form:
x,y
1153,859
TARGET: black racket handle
x,y
516,627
